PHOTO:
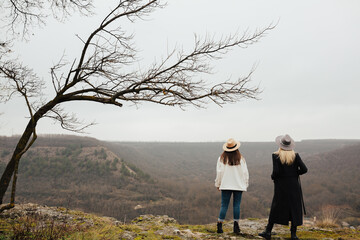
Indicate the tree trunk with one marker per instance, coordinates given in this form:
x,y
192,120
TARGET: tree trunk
x,y
9,170
20,147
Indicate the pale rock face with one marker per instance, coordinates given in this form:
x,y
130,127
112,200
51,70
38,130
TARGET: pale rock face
x,y
44,213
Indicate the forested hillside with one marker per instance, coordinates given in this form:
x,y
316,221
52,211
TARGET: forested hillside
x,y
189,169
335,180
126,179
81,173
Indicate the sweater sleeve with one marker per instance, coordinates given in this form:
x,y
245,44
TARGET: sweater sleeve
x,y
219,173
246,173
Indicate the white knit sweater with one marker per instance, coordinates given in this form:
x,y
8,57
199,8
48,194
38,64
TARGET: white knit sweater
x,y
234,177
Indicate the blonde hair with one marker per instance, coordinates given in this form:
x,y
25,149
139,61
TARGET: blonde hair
x,y
286,156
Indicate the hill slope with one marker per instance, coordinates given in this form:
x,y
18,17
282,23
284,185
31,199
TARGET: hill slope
x,y
81,173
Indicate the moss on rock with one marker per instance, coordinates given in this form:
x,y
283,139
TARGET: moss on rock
x,y
71,225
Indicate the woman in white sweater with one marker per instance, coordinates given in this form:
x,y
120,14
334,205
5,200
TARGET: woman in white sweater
x,y
232,178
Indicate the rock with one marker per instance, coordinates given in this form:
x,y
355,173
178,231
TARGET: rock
x,y
127,235
345,224
309,222
43,213
117,223
188,234
168,226
162,220
138,207
168,231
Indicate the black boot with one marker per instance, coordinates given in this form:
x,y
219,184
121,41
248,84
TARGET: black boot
x,y
293,233
267,233
236,228
219,227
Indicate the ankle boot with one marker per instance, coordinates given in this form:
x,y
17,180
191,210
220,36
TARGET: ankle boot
x,y
219,227
293,233
236,227
267,233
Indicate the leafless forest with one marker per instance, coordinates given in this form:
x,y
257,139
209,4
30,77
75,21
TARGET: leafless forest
x,y
126,179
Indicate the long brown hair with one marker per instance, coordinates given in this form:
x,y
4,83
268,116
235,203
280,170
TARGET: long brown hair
x,y
231,158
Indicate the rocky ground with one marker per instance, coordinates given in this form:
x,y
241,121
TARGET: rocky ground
x,y
32,221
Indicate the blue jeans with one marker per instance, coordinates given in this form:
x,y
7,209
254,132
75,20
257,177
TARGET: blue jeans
x,y
225,199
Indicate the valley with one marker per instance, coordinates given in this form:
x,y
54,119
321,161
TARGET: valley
x,y
128,179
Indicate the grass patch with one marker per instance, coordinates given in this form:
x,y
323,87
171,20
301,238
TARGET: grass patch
x,y
341,234
98,232
199,228
28,228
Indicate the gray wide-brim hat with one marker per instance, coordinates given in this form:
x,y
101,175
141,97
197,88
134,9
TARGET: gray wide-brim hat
x,y
285,142
231,145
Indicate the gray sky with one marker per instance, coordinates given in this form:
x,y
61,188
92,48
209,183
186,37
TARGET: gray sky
x,y
308,68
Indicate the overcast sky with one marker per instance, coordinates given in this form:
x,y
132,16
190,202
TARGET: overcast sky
x,y
308,68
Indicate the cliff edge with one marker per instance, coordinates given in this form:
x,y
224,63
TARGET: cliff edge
x,y
33,221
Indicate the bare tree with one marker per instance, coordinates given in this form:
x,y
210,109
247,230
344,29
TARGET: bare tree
x,y
103,73
22,15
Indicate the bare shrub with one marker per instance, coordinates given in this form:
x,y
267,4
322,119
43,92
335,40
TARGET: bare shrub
x,y
329,216
28,227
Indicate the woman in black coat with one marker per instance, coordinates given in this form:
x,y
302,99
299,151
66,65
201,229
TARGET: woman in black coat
x,y
287,204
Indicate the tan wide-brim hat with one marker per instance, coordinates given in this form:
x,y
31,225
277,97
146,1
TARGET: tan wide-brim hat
x,y
285,142
231,145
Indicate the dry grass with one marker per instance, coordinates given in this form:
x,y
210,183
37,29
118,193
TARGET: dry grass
x,y
329,217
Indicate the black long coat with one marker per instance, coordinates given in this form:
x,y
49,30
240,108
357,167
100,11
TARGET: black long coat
x,y
287,204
